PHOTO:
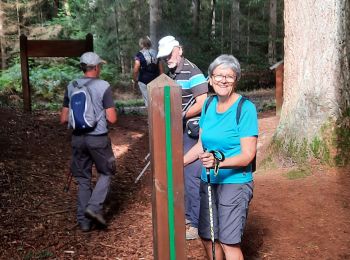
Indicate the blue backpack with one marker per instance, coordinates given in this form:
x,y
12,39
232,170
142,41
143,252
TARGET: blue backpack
x,y
238,116
82,114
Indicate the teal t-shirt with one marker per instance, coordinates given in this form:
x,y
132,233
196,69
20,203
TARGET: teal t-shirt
x,y
220,132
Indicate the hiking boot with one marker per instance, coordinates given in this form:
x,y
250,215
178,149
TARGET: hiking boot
x,y
192,233
95,216
85,227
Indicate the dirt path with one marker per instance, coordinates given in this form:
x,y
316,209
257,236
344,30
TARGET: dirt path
x,y
307,218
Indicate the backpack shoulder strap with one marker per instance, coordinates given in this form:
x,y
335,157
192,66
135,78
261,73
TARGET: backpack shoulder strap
x,y
239,108
238,115
210,99
76,84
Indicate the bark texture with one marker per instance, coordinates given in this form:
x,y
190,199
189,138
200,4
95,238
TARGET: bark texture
x,y
154,19
316,72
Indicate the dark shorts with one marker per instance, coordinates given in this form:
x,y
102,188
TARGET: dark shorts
x,y
230,209
88,149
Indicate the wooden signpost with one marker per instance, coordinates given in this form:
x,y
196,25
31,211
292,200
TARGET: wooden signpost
x,y
279,70
166,149
47,48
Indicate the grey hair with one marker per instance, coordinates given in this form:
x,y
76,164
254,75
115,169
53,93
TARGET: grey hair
x,y
227,61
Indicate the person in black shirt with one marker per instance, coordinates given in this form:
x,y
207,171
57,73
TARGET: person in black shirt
x,y
147,67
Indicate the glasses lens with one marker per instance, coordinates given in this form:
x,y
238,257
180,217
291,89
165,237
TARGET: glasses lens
x,y
218,77
229,79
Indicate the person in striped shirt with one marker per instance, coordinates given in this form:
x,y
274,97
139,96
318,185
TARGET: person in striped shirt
x,y
194,89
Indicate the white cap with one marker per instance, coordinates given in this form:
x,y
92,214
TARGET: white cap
x,y
91,59
166,46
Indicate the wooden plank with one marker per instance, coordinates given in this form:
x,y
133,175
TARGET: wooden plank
x,y
160,216
56,48
27,103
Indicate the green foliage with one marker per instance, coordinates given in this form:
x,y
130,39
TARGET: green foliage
x,y
299,173
320,150
290,148
342,139
11,80
48,80
331,146
267,163
129,103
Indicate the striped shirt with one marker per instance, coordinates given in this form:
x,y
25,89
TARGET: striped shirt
x,y
191,80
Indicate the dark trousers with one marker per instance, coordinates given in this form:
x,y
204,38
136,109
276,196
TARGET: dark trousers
x,y
192,179
86,151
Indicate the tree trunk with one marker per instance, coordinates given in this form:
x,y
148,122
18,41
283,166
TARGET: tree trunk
x,y
213,25
2,38
56,6
272,32
117,44
195,16
222,27
316,78
235,13
248,34
18,19
154,15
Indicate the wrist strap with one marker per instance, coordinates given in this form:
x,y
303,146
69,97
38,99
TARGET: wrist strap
x,y
218,157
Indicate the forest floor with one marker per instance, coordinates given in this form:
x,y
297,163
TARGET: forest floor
x,y
304,218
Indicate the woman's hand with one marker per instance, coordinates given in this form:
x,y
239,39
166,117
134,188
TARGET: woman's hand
x,y
207,159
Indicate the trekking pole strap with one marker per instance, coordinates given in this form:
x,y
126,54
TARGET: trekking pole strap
x,y
218,157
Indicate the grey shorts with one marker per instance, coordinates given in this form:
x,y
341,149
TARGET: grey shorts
x,y
230,209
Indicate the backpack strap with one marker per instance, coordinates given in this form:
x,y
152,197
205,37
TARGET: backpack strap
x,y
238,116
210,99
239,108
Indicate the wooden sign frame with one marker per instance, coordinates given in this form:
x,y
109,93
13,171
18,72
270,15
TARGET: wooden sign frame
x,y
47,48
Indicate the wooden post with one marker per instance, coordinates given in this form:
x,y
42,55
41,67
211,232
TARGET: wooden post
x,y
48,48
166,147
27,102
279,88
279,70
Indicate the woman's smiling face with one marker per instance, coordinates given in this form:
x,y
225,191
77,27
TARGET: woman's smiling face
x,y
223,80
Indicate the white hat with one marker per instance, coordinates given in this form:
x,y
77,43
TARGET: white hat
x,y
91,59
166,45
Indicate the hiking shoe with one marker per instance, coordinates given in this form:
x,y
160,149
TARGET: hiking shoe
x,y
95,216
85,227
192,233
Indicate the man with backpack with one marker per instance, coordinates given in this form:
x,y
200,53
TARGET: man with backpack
x,y
88,107
146,67
194,92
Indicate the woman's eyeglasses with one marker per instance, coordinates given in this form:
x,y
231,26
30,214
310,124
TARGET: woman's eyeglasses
x,y
229,79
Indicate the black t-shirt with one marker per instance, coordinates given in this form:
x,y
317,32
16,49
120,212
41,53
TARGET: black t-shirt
x,y
149,65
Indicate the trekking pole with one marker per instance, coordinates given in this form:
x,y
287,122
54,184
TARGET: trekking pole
x,y
219,157
68,181
211,219
184,109
143,171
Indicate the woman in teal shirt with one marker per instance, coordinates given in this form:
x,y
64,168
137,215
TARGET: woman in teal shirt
x,y
232,182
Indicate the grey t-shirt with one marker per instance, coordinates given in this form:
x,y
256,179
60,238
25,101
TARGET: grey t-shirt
x,y
102,98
